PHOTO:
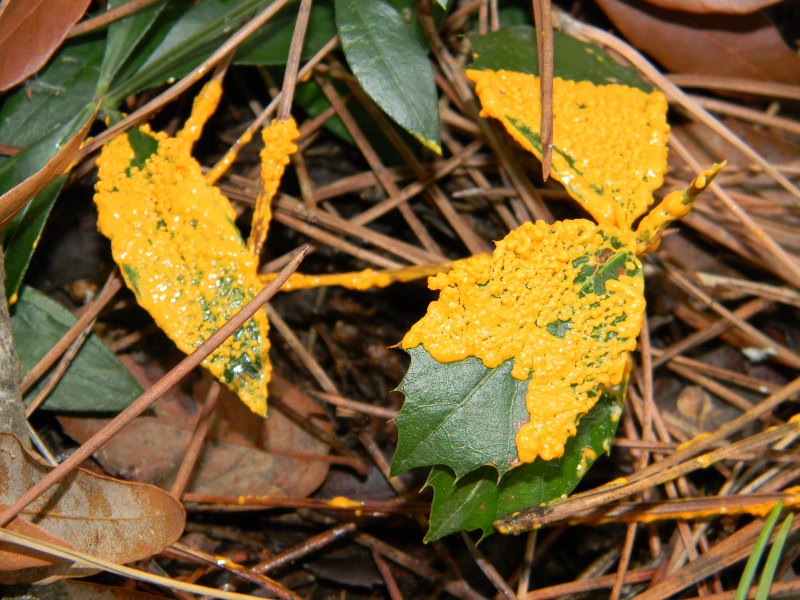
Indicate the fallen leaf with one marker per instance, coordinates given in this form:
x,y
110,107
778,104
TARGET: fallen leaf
x,y
83,590
114,520
13,557
746,46
733,7
242,455
30,32
174,239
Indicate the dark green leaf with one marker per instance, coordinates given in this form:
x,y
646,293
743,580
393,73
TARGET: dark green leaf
x,y
390,65
96,381
310,98
477,500
183,36
143,146
53,97
123,38
31,160
514,49
270,44
22,234
460,414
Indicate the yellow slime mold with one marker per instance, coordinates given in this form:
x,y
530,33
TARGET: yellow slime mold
x,y
565,301
609,142
172,234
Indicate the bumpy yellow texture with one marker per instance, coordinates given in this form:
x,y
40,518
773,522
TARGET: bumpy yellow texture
x,y
674,206
279,137
173,236
530,302
360,280
609,142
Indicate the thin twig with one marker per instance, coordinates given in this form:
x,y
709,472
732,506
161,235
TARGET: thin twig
x,y
192,452
293,62
543,18
488,569
108,17
185,552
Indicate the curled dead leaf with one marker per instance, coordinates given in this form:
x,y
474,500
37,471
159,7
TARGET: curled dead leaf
x,y
114,520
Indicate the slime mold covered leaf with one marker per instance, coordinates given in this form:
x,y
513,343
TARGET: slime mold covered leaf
x,y
533,333
174,238
519,368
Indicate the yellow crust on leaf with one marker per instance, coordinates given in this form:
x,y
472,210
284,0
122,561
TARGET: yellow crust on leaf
x,y
179,251
565,301
279,137
609,142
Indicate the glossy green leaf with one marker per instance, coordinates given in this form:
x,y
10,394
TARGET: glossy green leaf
x,y
182,37
96,381
50,100
477,500
460,414
123,37
32,159
514,49
390,65
22,234
270,45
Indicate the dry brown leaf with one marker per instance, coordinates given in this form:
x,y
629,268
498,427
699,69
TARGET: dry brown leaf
x,y
243,455
14,557
733,7
747,46
114,520
83,590
30,32
15,199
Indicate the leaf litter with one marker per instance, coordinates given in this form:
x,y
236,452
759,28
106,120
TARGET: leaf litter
x,y
331,314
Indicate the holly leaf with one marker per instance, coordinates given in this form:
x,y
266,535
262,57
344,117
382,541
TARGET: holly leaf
x,y
440,424
609,139
174,238
477,500
551,316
